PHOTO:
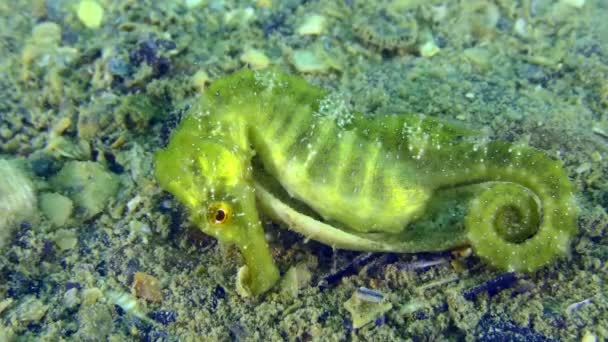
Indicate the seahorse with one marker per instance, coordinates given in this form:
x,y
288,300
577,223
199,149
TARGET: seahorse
x,y
267,141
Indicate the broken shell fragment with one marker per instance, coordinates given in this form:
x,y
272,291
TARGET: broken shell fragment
x,y
365,306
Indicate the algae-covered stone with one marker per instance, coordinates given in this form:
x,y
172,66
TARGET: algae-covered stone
x,y
31,310
88,184
56,207
95,322
91,296
17,198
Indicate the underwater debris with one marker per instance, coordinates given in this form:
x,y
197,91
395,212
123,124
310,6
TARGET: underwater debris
x,y
576,306
418,265
366,306
351,268
492,286
127,302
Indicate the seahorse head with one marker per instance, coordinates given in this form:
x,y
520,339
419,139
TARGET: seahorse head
x,y
210,176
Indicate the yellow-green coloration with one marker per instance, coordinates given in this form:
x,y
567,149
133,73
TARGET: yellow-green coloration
x,y
356,182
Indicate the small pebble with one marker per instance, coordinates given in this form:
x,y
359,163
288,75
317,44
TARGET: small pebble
x,y
56,207
589,337
312,25
90,13
147,287
308,61
429,49
65,239
256,59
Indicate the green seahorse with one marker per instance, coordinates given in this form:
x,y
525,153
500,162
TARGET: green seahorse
x,y
267,141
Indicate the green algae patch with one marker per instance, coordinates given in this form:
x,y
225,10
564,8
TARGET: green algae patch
x,y
88,184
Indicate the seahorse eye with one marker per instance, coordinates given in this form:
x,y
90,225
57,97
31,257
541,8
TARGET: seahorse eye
x,y
219,213
220,216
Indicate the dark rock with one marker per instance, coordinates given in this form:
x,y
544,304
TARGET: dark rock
x,y
349,269
218,294
163,316
132,267
72,285
112,164
101,268
156,336
323,317
146,51
21,285
24,235
119,311
48,250
44,166
119,67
